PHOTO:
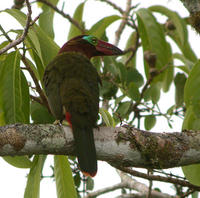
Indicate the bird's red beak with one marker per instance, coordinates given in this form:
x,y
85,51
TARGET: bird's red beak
x,y
108,49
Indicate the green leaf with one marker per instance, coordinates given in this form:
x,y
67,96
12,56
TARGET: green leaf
x,y
32,189
191,121
168,74
179,82
133,92
14,91
192,90
153,93
40,114
132,75
107,117
192,173
188,64
46,18
149,122
153,39
19,161
131,42
89,183
180,34
123,109
99,28
45,47
195,194
108,90
63,176
21,18
122,72
170,111
175,18
78,14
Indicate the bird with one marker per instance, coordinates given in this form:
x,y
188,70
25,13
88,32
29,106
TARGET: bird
x,y
71,84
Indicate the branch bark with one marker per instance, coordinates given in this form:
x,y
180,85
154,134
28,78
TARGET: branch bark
x,y
121,146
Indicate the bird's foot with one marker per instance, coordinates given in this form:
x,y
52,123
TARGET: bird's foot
x,y
57,122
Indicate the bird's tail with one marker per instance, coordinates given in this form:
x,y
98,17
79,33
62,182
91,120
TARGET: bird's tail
x,y
86,151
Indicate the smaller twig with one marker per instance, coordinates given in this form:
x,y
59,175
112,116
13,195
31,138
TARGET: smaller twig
x,y
158,178
5,34
67,16
150,185
37,99
38,88
123,22
148,83
113,5
189,192
25,32
141,188
106,190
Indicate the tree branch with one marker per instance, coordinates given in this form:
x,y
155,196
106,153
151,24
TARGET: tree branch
x,y
67,16
140,187
121,146
25,32
123,22
158,178
106,190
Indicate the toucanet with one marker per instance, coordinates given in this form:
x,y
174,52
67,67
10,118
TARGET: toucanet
x,y
71,85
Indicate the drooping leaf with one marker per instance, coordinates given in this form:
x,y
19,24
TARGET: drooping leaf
x,y
99,28
32,189
14,91
149,122
153,38
178,22
133,92
131,42
192,90
192,173
78,15
108,90
153,93
46,18
63,176
108,119
19,161
123,109
192,117
133,76
89,183
179,82
180,33
191,121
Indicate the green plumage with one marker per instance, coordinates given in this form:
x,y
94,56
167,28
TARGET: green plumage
x,y
71,85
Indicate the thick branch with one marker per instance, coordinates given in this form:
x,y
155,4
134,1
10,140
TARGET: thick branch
x,y
121,146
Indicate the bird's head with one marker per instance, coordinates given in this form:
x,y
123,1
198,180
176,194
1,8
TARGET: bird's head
x,y
90,46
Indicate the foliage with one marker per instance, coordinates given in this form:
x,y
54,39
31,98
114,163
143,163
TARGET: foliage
x,y
128,95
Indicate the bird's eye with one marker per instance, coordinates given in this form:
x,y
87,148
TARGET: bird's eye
x,y
91,39
94,41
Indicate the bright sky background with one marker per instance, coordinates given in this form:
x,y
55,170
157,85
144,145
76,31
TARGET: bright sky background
x,y
13,180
